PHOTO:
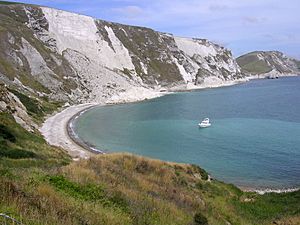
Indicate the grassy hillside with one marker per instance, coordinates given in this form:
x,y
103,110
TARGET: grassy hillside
x,y
8,3
252,64
261,62
40,185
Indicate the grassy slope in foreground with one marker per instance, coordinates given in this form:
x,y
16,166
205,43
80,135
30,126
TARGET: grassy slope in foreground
x,y
46,188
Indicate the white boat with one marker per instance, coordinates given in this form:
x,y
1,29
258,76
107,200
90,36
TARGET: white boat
x,y
205,123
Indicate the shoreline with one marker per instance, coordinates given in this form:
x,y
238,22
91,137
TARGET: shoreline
x,y
55,131
269,190
78,149
74,137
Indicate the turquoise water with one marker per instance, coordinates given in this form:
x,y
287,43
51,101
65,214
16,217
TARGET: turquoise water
x,y
254,140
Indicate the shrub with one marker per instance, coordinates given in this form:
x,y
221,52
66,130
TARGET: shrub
x,y
32,105
199,219
143,167
16,153
202,172
199,185
6,134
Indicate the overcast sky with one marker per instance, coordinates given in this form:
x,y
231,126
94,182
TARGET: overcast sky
x,y
240,25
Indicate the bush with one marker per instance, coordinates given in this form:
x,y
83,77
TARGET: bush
x,y
143,167
6,134
199,185
32,105
15,153
202,172
199,219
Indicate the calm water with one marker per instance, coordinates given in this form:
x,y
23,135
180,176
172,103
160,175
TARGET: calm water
x,y
254,140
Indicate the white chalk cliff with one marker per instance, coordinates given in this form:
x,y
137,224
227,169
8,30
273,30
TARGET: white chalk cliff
x,y
77,58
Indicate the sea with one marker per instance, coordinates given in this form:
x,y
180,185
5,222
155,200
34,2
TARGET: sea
x,y
253,142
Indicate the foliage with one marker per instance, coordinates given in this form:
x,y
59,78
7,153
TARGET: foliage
x,y
16,153
18,143
37,108
8,3
270,205
32,105
6,137
202,172
199,219
6,134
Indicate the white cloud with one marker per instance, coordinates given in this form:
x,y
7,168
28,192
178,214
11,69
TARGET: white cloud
x,y
131,11
254,19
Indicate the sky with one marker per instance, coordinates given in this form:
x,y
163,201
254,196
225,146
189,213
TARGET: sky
x,y
240,25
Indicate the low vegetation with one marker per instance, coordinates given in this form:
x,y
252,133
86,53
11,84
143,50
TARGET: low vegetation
x,y
252,64
8,3
37,108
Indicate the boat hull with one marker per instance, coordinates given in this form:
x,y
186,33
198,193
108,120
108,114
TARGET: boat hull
x,y
204,125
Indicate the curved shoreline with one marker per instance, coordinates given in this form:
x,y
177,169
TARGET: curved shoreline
x,y
77,148
74,137
55,131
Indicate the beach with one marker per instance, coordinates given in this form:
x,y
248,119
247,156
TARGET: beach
x,y
55,131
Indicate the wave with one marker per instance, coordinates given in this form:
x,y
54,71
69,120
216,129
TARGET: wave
x,y
278,191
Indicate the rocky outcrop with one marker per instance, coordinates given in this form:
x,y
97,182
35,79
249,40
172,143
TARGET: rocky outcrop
x,y
10,103
269,64
77,58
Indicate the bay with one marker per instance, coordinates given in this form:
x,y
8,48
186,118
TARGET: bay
x,y
254,140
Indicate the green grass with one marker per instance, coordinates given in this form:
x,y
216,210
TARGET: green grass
x,y
7,138
8,3
257,67
88,192
270,206
17,143
251,63
38,109
32,105
16,153
6,134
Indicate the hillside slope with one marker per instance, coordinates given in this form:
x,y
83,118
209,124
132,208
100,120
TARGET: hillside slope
x,y
76,58
268,63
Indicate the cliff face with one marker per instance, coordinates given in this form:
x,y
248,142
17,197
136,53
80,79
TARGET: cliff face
x,y
268,63
76,58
